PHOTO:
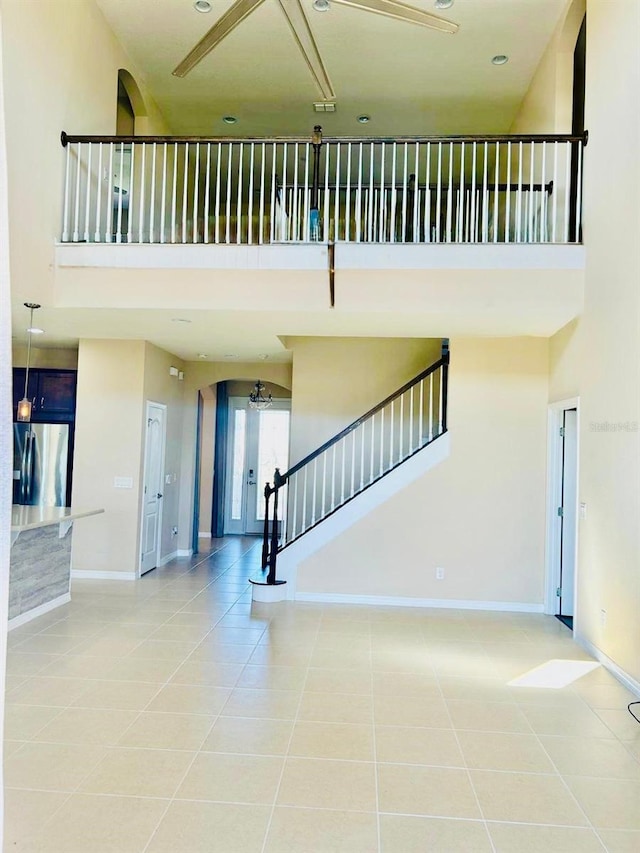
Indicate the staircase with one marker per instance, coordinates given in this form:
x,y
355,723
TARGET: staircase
x,y
394,443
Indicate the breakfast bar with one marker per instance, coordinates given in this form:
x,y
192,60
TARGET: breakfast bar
x,y
40,565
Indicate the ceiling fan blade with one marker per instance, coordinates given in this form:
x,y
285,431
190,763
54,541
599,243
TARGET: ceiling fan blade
x,y
220,30
402,12
297,20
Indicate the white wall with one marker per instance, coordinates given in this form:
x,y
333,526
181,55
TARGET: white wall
x,y
480,513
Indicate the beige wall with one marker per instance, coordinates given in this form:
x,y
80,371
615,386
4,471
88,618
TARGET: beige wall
x,y
480,514
63,359
597,357
60,62
115,379
335,380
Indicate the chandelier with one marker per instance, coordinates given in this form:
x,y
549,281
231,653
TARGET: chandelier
x,y
257,400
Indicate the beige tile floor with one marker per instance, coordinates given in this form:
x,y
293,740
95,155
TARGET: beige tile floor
x,y
172,716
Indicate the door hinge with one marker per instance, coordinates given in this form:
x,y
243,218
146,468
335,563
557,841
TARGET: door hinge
x,y
559,592
562,432
560,511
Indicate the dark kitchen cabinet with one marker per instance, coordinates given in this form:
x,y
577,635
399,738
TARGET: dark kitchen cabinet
x,y
52,393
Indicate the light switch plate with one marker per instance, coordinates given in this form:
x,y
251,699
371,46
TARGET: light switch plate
x,y
123,482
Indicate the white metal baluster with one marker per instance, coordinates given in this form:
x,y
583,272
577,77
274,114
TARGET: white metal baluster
x,y
218,188
401,429
294,207
474,163
272,224
174,192
362,436
579,194
411,420
250,206
450,194
381,222
427,197
343,467
143,168
152,195
130,217
405,190
372,440
326,207
416,194
87,197
430,406
65,206
262,177
532,167
295,506
507,222
227,234
370,232
421,414
185,185
324,484
347,224
109,234
164,194
358,203
283,220
333,479
207,190
519,196
97,236
239,196
391,433
306,221
439,193
336,206
496,195
76,212
485,195
567,195
393,193
554,221
315,485
353,461
120,194
304,499
543,196
460,199
196,194
381,468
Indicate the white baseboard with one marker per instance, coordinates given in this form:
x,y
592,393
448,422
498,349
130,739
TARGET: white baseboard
x,y
629,682
184,552
204,534
403,601
167,558
82,574
23,618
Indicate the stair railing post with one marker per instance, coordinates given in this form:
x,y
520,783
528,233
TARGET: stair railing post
x,y
445,388
278,481
265,531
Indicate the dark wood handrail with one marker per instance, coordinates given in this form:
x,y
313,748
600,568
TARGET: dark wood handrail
x,y
438,364
66,138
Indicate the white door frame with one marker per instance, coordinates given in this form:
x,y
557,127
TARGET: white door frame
x,y
144,478
554,500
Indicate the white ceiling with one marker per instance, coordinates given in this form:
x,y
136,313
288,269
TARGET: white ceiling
x,y
409,79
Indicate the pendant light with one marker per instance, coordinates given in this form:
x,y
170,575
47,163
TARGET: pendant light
x,y
257,400
24,406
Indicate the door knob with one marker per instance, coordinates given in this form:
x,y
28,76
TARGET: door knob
x,y
251,482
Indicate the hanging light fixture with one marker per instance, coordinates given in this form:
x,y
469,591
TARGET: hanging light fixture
x,y
257,400
24,406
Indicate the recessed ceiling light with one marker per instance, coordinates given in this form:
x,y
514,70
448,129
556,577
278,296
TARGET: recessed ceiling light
x,y
443,4
364,119
230,355
202,355
202,6
229,119
35,331
500,59
179,320
321,5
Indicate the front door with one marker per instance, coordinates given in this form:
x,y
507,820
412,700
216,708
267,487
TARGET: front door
x,y
259,443
152,489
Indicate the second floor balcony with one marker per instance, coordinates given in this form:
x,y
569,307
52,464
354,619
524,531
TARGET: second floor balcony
x,y
451,220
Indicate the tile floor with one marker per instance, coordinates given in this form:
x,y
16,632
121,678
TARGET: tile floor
x,y
172,716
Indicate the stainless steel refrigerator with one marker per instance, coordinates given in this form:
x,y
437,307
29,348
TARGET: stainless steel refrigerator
x,y
40,457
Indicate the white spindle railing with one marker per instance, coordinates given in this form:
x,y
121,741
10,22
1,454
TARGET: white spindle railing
x,y
364,451
246,191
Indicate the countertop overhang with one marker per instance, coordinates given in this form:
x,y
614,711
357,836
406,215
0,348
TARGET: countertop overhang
x,y
31,517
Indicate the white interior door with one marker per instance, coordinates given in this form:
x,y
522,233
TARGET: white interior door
x,y
569,511
258,444
152,490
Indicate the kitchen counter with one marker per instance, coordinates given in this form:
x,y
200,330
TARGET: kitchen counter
x,y
40,563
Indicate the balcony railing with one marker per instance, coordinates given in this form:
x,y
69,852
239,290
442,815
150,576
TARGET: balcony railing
x,y
498,189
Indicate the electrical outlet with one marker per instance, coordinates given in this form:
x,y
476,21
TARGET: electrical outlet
x,y
439,573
